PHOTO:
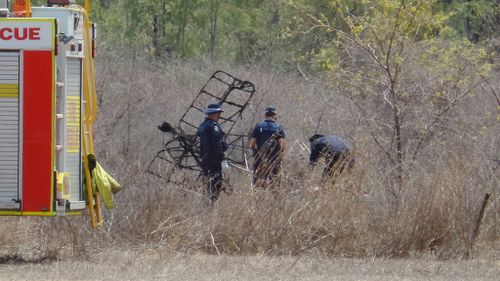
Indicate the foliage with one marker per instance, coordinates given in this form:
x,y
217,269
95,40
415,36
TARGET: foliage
x,y
473,19
392,58
277,32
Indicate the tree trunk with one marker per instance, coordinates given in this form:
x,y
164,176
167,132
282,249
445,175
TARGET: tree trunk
x,y
399,146
181,29
214,10
397,133
156,37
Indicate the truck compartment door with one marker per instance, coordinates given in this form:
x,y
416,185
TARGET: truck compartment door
x,y
10,156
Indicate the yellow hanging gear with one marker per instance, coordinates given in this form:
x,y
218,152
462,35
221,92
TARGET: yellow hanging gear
x,y
104,184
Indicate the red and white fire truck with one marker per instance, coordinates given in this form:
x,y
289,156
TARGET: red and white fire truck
x,y
47,109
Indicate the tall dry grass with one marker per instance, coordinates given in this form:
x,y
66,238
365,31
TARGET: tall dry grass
x,y
435,213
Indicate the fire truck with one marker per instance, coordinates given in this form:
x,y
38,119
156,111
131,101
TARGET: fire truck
x,y
47,109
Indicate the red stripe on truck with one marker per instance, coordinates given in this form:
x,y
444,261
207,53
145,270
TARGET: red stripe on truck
x,y
37,131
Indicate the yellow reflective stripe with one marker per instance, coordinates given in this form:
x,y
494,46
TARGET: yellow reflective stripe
x,y
2,95
41,214
72,213
9,86
9,90
11,213
20,213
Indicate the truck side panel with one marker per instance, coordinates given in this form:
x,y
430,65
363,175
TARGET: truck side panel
x,y
38,146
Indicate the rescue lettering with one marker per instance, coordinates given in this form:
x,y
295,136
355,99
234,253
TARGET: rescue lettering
x,y
16,33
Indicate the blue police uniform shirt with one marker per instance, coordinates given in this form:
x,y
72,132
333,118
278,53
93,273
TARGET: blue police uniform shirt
x,y
212,144
265,130
327,145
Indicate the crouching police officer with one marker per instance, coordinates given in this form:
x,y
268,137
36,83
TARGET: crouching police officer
x,y
336,152
212,148
268,144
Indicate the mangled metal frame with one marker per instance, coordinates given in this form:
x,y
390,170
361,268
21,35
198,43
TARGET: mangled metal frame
x,y
182,150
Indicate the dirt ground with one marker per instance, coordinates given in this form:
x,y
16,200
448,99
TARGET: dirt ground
x,y
166,265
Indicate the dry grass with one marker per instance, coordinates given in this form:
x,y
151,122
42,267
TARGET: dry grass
x,y
362,215
158,264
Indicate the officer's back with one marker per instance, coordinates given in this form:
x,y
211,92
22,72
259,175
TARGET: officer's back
x,y
268,129
268,135
331,144
327,146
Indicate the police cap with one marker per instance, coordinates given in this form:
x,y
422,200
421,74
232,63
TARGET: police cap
x,y
213,108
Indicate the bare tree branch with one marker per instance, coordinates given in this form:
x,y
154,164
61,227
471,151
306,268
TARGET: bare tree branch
x,y
449,106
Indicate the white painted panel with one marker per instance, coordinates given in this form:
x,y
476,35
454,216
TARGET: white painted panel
x,y
26,34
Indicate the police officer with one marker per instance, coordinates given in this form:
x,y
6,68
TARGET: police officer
x,y
212,148
268,143
336,152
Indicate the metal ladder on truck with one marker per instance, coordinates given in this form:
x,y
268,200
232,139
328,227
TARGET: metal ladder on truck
x,y
88,119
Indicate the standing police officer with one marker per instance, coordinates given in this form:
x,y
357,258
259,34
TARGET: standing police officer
x,y
268,144
212,148
335,150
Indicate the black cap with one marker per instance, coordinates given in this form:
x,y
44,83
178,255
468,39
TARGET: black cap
x,y
315,137
270,110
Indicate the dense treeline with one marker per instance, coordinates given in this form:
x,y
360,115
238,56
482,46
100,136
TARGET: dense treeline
x,y
278,31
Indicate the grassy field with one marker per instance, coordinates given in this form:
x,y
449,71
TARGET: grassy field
x,y
366,226
151,264
434,208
